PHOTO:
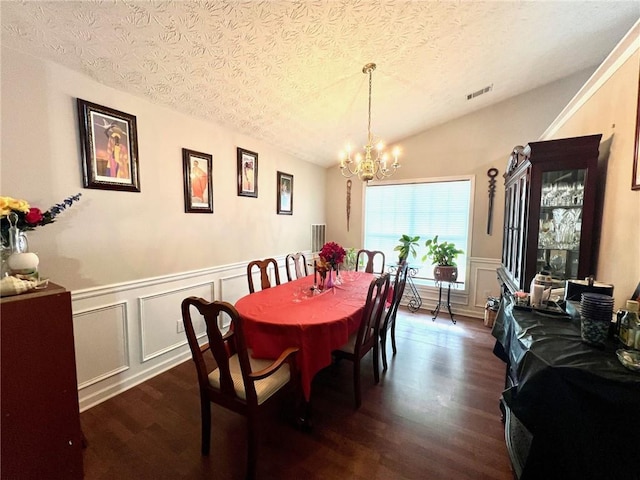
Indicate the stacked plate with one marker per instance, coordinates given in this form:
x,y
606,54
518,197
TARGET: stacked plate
x,y
596,310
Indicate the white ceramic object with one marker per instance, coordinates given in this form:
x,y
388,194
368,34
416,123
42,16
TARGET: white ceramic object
x,y
23,263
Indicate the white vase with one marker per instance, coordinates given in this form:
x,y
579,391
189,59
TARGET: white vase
x,y
24,264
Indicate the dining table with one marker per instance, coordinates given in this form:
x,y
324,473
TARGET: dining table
x,y
294,314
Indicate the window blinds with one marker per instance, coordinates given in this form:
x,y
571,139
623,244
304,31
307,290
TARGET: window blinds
x,y
426,209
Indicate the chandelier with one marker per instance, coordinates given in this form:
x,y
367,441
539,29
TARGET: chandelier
x,y
368,168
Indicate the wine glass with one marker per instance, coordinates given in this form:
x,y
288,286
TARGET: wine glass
x,y
297,295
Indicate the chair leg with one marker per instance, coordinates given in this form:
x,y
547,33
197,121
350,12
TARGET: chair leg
x,y
383,349
205,413
252,448
376,363
393,335
356,382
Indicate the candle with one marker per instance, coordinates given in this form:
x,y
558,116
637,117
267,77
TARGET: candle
x,y
315,273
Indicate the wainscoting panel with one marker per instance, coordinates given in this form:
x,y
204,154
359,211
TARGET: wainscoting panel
x,y
161,318
482,283
487,281
128,333
101,343
233,287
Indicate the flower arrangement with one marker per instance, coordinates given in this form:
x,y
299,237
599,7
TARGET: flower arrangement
x,y
332,254
28,217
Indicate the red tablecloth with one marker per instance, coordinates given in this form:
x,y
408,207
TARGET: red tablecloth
x,y
317,325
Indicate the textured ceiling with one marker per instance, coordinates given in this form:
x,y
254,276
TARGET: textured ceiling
x,y
290,73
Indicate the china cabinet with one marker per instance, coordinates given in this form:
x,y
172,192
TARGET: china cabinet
x,y
550,211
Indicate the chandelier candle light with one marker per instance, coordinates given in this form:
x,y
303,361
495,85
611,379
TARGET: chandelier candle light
x,y
367,169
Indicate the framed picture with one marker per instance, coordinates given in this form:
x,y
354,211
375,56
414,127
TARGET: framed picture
x,y
635,181
198,182
109,144
247,173
285,194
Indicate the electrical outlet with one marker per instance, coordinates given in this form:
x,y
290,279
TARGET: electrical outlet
x,y
180,326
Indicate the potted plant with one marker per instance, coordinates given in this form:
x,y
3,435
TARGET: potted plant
x,y
349,262
406,246
443,255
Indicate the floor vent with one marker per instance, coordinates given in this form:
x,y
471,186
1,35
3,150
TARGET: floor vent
x,y
317,236
480,92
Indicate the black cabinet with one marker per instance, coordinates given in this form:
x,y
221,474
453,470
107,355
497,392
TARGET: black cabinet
x,y
570,409
550,209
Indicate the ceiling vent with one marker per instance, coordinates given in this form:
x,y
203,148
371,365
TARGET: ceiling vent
x,y
480,92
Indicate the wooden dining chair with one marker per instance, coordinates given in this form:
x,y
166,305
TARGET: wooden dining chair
x,y
298,262
237,381
389,322
370,257
263,267
366,338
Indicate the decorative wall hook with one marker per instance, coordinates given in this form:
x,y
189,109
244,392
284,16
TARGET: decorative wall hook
x,y
492,173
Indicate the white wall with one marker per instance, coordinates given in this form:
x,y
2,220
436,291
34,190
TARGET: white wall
x,y
609,104
469,145
111,237
130,258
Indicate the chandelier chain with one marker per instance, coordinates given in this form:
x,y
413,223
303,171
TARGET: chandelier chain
x,y
369,139
367,168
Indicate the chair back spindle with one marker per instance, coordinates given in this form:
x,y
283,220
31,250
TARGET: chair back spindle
x,y
298,262
263,266
370,259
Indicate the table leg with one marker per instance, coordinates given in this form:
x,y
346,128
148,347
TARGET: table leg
x,y
304,416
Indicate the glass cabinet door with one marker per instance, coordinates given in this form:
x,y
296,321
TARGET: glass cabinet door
x,y
560,222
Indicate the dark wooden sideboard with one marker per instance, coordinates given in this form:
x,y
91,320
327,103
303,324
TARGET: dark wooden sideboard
x,y
572,410
40,420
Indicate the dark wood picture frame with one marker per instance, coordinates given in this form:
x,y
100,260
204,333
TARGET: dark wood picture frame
x,y
198,181
247,173
109,147
635,180
285,194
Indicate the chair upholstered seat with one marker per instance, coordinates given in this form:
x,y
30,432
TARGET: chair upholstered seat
x,y
350,346
265,387
238,382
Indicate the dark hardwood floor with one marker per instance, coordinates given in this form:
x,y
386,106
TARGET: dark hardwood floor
x,y
434,415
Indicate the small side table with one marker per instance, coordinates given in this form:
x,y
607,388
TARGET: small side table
x,y
415,301
447,304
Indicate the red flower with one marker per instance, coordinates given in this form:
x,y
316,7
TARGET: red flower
x,y
332,253
34,216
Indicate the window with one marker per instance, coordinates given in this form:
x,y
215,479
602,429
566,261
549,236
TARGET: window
x,y
427,208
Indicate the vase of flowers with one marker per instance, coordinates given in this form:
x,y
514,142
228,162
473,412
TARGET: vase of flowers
x,y
17,217
332,255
